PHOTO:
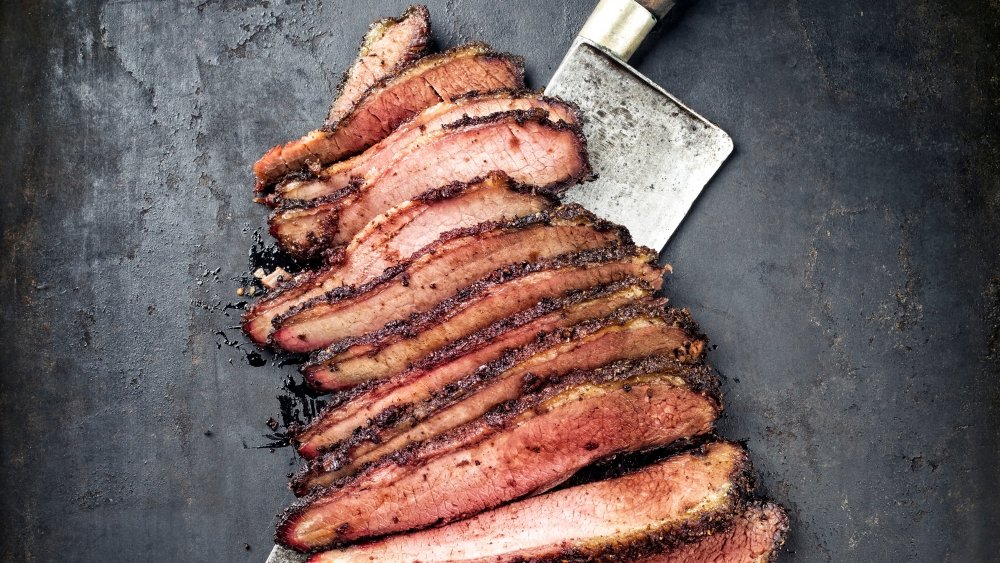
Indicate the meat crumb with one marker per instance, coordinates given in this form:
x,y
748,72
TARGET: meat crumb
x,y
272,280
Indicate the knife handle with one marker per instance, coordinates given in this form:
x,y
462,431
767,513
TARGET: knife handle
x,y
619,26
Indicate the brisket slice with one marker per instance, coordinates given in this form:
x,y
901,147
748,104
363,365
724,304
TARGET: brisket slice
x,y
753,537
345,422
395,236
435,407
519,449
427,126
525,145
389,45
686,497
390,102
437,271
536,285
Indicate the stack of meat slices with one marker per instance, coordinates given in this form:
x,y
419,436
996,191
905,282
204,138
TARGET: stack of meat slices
x,y
482,342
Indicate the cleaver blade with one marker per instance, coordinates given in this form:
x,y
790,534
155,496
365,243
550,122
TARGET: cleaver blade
x,y
653,155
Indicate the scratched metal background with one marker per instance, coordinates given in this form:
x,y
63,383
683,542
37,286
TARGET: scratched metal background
x,y
846,261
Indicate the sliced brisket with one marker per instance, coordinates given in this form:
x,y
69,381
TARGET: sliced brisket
x,y
345,422
436,406
390,351
439,270
683,498
395,236
392,101
389,45
526,447
525,145
424,128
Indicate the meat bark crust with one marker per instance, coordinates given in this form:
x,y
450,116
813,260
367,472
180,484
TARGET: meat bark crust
x,y
753,537
388,46
395,236
347,422
457,259
517,450
633,331
390,102
504,298
425,127
526,145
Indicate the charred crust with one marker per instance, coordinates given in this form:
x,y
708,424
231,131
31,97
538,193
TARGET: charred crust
x,y
318,240
563,215
456,189
294,204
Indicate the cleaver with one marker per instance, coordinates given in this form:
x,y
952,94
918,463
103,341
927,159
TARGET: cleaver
x,y
652,154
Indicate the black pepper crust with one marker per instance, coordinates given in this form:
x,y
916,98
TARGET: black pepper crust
x,y
656,541
330,205
402,330
454,189
411,414
571,214
418,47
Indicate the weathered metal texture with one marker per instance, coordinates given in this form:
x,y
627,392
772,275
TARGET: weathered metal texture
x,y
652,154
844,260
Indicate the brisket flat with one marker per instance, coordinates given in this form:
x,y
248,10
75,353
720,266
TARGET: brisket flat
x,y
753,537
526,145
523,448
435,407
424,128
390,102
438,271
389,45
390,351
347,422
395,236
686,497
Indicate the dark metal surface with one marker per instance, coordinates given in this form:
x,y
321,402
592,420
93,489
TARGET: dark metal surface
x,y
845,261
